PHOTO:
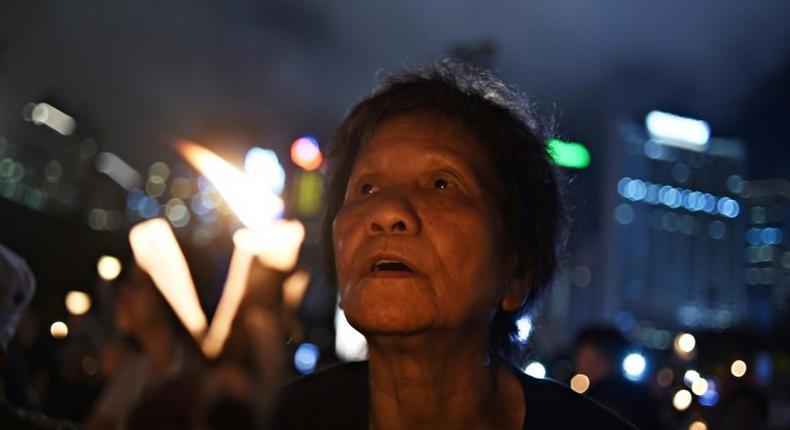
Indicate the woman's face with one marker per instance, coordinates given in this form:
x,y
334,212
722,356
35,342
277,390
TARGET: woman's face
x,y
419,242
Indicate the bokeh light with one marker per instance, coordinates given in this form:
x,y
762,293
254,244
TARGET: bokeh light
x,y
664,377
59,330
738,368
78,302
700,386
306,154
681,400
263,166
524,327
690,376
306,358
108,267
684,343
698,425
634,366
580,383
535,370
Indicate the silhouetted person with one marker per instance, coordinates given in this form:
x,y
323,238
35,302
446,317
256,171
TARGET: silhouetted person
x,y
17,287
598,355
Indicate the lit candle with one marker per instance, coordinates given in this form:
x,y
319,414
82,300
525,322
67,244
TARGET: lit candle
x,y
275,243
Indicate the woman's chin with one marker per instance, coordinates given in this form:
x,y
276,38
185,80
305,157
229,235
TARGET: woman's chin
x,y
386,317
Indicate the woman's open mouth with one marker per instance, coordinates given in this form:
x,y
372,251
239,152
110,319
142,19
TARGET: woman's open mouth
x,y
390,268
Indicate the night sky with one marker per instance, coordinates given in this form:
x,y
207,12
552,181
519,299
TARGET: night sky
x,y
235,74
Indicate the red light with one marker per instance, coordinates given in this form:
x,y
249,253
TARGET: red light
x,y
306,154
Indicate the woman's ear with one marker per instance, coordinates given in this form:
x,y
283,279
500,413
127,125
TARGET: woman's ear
x,y
516,295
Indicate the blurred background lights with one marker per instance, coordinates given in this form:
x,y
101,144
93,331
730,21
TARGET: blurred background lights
x,y
177,212
524,327
59,330
569,154
664,377
309,192
681,400
677,130
738,368
108,267
306,154
684,343
698,425
690,377
159,169
46,114
306,358
710,397
78,302
264,167
580,383
535,370
118,170
634,366
700,386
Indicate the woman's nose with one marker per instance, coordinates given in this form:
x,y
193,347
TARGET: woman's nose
x,y
393,214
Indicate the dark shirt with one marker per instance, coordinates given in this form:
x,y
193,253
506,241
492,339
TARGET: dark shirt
x,y
337,398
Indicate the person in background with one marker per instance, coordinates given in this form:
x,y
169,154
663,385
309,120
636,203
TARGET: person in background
x,y
156,387
599,354
17,287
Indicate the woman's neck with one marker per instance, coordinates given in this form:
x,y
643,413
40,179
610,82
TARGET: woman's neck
x,y
430,383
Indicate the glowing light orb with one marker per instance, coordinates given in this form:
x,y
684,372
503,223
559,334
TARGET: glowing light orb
x,y
700,386
59,330
634,366
580,383
681,400
306,358
108,267
535,370
685,343
738,368
306,154
78,302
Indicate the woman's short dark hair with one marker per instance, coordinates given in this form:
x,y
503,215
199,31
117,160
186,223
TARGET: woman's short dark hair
x,y
502,122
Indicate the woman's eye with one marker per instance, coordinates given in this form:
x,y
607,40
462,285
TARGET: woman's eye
x,y
366,188
441,184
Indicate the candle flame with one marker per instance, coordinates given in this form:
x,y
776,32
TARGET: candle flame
x,y
277,247
256,207
157,252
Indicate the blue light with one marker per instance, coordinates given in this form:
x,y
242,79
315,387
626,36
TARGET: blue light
x,y
711,397
652,194
634,366
771,236
622,185
728,207
524,326
263,166
753,236
306,358
710,203
148,207
134,198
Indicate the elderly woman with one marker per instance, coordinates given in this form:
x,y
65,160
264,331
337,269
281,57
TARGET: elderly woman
x,y
444,218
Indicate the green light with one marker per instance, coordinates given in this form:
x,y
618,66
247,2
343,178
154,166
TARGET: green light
x,y
569,154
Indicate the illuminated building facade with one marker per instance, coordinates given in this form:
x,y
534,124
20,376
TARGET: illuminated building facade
x,y
766,253
673,231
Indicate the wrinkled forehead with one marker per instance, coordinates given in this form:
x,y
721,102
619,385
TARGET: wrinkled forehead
x,y
437,134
